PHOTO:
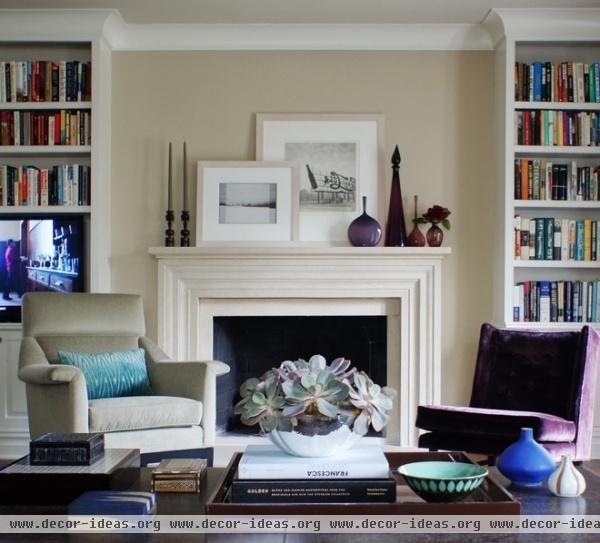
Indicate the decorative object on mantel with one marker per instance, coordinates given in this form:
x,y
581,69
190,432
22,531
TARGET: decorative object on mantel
x,y
416,237
185,213
435,215
312,409
566,481
526,462
170,215
395,231
339,157
364,231
247,201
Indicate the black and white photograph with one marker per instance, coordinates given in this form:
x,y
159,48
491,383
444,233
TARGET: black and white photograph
x,y
328,174
247,203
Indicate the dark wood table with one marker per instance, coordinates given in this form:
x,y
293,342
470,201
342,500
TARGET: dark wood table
x,y
534,501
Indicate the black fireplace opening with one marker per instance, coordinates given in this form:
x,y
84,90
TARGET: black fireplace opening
x,y
253,345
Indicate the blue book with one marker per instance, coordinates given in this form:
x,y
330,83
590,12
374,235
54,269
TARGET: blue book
x,y
113,502
579,240
537,81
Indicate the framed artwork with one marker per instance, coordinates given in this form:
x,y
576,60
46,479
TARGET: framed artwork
x,y
247,201
339,159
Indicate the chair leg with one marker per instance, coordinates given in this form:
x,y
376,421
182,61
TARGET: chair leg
x,y
153,457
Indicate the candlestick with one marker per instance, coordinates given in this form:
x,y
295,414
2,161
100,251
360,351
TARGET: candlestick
x,y
170,181
185,206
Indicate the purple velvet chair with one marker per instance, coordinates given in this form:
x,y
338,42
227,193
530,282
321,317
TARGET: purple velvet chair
x,y
542,380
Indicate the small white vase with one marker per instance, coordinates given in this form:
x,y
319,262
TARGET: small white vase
x,y
566,481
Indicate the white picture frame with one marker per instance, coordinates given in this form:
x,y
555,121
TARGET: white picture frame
x,y
243,201
347,147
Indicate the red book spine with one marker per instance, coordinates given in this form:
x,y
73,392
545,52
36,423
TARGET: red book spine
x,y
57,128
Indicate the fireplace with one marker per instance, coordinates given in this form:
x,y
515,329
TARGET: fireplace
x,y
252,345
201,288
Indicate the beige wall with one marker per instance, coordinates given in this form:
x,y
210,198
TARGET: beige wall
x,y
437,108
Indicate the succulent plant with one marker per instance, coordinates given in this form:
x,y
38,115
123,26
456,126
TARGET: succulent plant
x,y
298,388
373,401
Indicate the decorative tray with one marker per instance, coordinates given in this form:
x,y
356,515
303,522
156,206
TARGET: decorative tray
x,y
489,499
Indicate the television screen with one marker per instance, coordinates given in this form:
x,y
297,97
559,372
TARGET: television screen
x,y
38,255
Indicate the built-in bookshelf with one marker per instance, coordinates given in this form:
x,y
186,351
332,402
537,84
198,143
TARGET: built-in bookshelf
x,y
550,106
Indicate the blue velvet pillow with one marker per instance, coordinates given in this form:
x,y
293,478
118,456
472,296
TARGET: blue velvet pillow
x,y
111,375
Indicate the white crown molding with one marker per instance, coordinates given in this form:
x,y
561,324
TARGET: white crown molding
x,y
531,24
365,37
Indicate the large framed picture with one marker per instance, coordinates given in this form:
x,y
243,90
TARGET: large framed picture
x,y
339,159
247,202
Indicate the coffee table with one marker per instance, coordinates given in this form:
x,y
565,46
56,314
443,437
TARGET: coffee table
x,y
534,501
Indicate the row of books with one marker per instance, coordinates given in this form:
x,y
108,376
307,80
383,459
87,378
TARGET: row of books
x,y
553,127
61,127
62,185
557,82
540,179
45,81
555,239
556,301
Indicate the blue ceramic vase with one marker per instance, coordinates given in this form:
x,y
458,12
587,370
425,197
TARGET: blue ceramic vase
x,y
526,462
364,231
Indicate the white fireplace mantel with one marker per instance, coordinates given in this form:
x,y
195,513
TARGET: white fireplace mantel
x,y
196,284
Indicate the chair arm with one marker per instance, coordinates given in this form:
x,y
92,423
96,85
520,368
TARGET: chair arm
x,y
47,374
194,380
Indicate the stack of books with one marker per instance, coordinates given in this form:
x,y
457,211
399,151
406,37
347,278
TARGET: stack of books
x,y
268,475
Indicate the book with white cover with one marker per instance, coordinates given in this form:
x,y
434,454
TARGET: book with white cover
x,y
268,462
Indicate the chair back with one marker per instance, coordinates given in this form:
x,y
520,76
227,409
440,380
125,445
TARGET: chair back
x,y
83,322
548,372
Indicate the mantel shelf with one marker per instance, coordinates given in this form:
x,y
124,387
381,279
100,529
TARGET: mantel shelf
x,y
299,250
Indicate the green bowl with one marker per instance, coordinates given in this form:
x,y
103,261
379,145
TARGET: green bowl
x,y
443,481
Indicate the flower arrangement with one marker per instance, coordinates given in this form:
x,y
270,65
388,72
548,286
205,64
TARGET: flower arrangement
x,y
335,392
435,215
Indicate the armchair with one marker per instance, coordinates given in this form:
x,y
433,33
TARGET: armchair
x,y
542,380
178,420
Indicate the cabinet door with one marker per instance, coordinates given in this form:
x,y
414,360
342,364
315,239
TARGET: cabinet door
x,y
14,433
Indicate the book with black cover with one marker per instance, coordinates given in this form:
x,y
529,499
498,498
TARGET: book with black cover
x,y
313,491
66,449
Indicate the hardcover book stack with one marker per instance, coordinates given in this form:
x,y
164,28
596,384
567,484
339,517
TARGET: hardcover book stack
x,y
557,82
45,81
556,301
268,475
61,185
547,238
540,179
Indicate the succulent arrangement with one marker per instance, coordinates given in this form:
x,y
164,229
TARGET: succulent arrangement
x,y
335,392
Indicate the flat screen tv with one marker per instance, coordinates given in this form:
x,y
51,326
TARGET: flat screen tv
x,y
39,254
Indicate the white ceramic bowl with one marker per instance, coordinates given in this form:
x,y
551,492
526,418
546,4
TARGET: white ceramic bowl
x,y
317,446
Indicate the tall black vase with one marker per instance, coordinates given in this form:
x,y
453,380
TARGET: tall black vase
x,y
395,231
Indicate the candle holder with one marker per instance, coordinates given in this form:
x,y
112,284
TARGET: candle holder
x,y
185,233
169,232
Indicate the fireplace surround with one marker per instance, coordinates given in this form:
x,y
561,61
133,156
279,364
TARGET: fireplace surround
x,y
198,286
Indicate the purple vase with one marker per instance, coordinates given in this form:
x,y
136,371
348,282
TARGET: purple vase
x,y
395,230
435,236
364,231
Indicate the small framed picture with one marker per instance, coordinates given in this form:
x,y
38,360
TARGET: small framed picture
x,y
339,159
247,201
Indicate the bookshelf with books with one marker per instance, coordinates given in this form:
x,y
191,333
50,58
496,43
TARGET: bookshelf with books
x,y
54,155
548,112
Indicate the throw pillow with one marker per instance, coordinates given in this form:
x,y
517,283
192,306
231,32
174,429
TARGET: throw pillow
x,y
111,375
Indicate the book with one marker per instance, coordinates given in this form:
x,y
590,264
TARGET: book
x,y
268,462
113,502
66,449
314,491
179,475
